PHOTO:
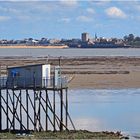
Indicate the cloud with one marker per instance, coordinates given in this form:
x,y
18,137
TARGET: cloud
x,y
137,7
7,9
100,2
90,10
65,20
84,18
70,3
115,12
4,18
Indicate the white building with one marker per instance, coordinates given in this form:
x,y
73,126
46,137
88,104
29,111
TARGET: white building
x,y
38,75
29,76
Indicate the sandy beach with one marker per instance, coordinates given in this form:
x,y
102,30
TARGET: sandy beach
x,y
89,72
33,47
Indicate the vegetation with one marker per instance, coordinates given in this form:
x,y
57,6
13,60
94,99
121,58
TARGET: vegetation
x,y
81,134
132,40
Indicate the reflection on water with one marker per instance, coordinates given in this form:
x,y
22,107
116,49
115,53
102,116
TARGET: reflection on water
x,y
112,110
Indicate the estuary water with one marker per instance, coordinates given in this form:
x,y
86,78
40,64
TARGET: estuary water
x,y
70,52
97,109
106,110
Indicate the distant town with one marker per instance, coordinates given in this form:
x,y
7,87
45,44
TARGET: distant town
x,y
84,42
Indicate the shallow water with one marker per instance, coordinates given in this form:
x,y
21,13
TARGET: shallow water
x,y
106,110
95,110
69,52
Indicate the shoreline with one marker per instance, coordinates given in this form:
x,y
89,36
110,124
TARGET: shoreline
x,y
58,47
70,134
33,47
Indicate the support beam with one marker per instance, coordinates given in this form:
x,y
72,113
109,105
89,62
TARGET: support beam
x,y
27,108
46,113
54,125
0,112
15,103
21,128
35,110
66,115
39,111
7,125
61,109
13,110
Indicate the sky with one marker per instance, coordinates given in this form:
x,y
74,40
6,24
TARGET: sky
x,y
67,19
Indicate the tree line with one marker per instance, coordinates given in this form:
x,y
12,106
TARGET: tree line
x,y
132,40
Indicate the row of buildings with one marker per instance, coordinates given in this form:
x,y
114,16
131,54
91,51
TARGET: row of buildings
x,y
30,41
85,41
85,37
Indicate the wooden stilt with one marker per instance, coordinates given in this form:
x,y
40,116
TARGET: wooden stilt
x,y
21,111
39,111
61,110
0,112
27,106
25,110
35,110
54,127
13,110
46,113
7,109
66,115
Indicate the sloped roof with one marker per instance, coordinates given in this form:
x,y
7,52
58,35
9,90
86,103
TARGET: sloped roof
x,y
24,66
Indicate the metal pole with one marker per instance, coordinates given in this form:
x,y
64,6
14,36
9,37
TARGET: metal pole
x,y
59,60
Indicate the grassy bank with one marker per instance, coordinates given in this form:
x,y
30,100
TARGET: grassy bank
x,y
81,134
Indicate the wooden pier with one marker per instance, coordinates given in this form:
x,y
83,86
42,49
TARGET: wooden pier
x,y
36,108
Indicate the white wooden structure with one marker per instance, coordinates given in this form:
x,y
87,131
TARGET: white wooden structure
x,y
30,75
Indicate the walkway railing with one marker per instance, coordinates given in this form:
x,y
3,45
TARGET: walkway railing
x,y
39,82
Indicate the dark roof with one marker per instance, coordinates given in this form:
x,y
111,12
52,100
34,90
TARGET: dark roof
x,y
24,66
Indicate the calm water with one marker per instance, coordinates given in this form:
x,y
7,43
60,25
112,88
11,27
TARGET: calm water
x,y
97,110
70,52
112,110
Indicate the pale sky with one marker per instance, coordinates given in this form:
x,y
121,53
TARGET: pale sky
x,y
68,18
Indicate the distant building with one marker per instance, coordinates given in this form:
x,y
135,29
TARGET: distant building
x,y
85,37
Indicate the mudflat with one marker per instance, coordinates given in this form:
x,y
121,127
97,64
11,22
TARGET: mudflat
x,y
89,72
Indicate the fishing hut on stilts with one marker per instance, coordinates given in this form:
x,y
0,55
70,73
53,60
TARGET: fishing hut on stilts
x,y
34,97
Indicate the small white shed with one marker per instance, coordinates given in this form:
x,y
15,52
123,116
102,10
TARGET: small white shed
x,y
30,75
